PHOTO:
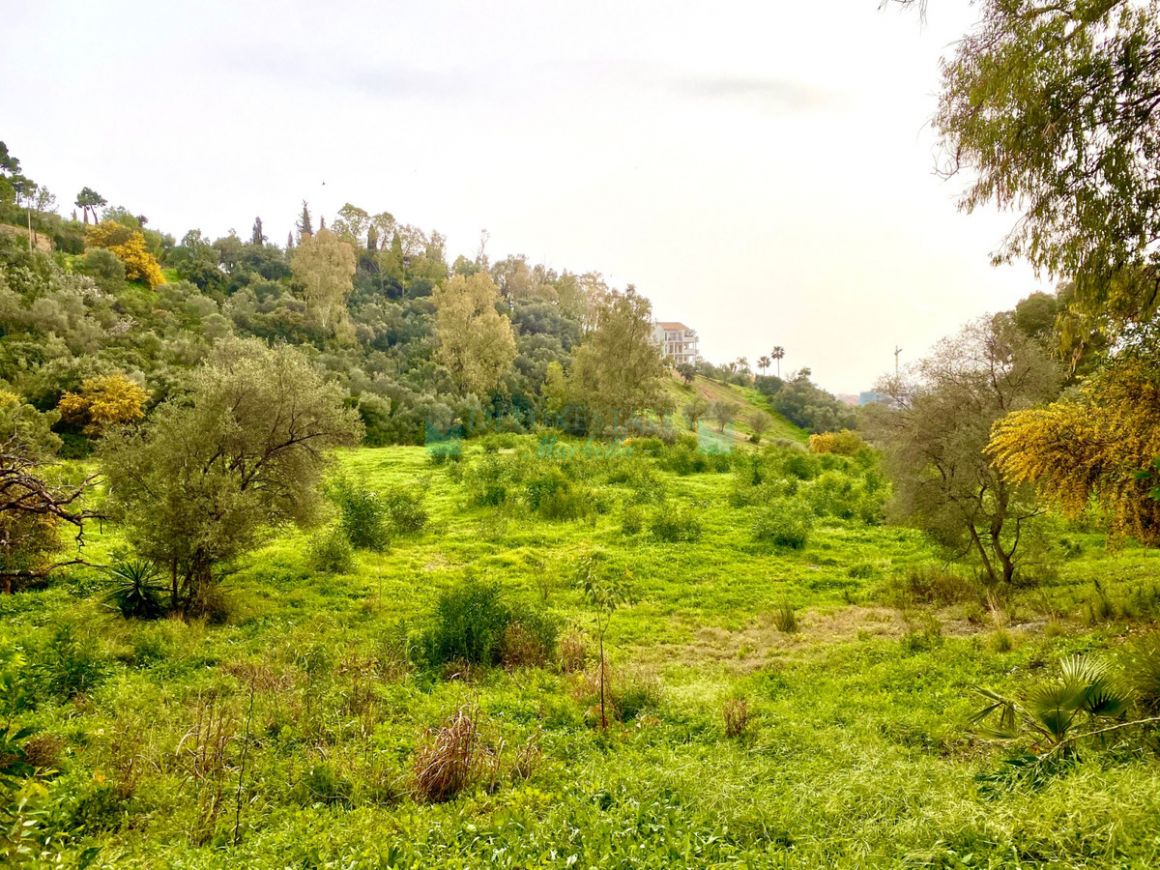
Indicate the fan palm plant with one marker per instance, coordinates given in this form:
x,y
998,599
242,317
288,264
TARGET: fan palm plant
x,y
1054,713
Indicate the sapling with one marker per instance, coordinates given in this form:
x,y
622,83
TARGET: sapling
x,y
605,589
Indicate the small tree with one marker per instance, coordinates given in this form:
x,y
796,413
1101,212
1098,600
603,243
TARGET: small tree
x,y
198,484
687,371
694,410
935,431
617,372
759,423
476,341
724,412
604,589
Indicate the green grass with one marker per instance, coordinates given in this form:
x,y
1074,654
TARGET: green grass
x,y
857,754
749,401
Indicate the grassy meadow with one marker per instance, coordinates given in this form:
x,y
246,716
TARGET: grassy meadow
x,y
771,705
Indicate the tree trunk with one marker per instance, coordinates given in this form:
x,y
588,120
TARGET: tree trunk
x,y
603,717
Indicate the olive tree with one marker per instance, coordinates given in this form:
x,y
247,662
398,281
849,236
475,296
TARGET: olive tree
x,y
242,452
934,432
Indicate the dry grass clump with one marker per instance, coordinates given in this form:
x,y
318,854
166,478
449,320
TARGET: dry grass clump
x,y
573,652
522,648
785,618
736,714
443,767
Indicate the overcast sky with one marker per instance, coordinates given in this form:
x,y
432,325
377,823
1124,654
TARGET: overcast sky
x,y
761,171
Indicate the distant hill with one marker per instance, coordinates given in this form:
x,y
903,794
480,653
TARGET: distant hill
x,y
749,400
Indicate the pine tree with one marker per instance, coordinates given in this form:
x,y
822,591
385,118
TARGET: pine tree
x,y
257,238
289,241
305,225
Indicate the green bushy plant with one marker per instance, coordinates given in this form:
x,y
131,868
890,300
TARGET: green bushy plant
x,y
783,523
675,524
632,519
331,552
553,496
364,516
487,482
406,509
324,785
69,665
933,583
445,452
470,623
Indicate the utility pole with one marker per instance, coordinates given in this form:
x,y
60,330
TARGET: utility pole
x,y
897,351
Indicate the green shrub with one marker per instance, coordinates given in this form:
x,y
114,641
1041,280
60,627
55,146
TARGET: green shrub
x,y
675,524
785,618
1142,672
799,464
68,666
323,785
554,497
783,523
331,552
363,516
633,694
470,622
529,640
406,509
487,482
631,520
445,452
647,446
469,625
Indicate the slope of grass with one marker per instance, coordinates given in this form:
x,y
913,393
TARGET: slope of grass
x,y
857,750
748,400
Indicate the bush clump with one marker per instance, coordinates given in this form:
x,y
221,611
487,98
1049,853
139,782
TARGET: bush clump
x,y
445,452
631,520
675,524
406,509
363,516
68,665
472,623
843,443
783,523
331,552
554,497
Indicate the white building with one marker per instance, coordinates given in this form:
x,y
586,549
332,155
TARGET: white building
x,y
678,343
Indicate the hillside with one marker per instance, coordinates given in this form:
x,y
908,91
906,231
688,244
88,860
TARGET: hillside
x,y
770,706
748,400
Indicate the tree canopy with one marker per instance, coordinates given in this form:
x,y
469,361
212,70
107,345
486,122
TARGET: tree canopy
x,y
241,452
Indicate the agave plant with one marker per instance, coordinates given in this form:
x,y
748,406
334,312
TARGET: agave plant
x,y
1053,713
136,591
